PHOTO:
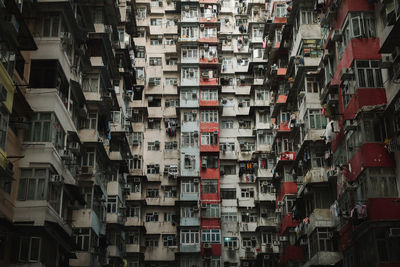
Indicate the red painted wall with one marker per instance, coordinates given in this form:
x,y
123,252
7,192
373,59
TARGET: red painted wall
x,y
215,250
369,155
383,208
286,189
287,222
291,253
207,223
345,239
364,97
209,127
351,5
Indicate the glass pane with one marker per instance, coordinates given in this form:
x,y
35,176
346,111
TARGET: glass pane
x,y
36,131
55,26
24,249
22,189
31,189
40,189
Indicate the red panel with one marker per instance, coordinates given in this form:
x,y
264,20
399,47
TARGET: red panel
x,y
286,189
210,223
209,127
209,81
209,173
281,71
209,60
281,99
351,5
208,40
208,19
280,20
209,103
369,155
209,196
287,222
291,253
383,208
284,127
288,156
364,97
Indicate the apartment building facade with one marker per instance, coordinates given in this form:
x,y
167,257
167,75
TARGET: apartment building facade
x,y
199,133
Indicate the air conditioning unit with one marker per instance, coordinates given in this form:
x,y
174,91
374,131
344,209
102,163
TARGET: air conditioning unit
x,y
175,82
196,180
278,210
204,165
135,142
201,25
331,173
280,203
276,243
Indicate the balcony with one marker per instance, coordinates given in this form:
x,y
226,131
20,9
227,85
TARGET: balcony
x,y
192,221
161,253
369,155
133,248
364,97
116,218
269,248
325,258
190,196
159,227
133,221
209,81
189,248
248,226
287,222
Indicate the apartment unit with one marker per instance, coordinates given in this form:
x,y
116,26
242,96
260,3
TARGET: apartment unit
x,y
336,137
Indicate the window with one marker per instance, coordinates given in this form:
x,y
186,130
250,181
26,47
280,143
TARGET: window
x,y
29,249
154,81
262,94
321,240
171,145
209,138
227,124
307,17
153,146
154,124
229,217
88,157
189,237
189,95
265,139
247,192
52,25
133,211
368,74
189,187
209,116
229,169
132,237
171,103
81,237
169,240
190,73
171,81
268,238
230,242
112,204
46,128
152,217
312,85
170,191
249,217
248,242
151,241
91,83
156,22
317,120
228,193
155,41
141,13
245,124
189,12
190,52
155,61
211,236
87,196
153,169
209,186
171,61
152,193
189,162
189,32
190,139
140,73
90,122
170,41
32,184
189,212
208,32
135,138
280,10
209,162
209,94
267,187
247,146
212,211
136,162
